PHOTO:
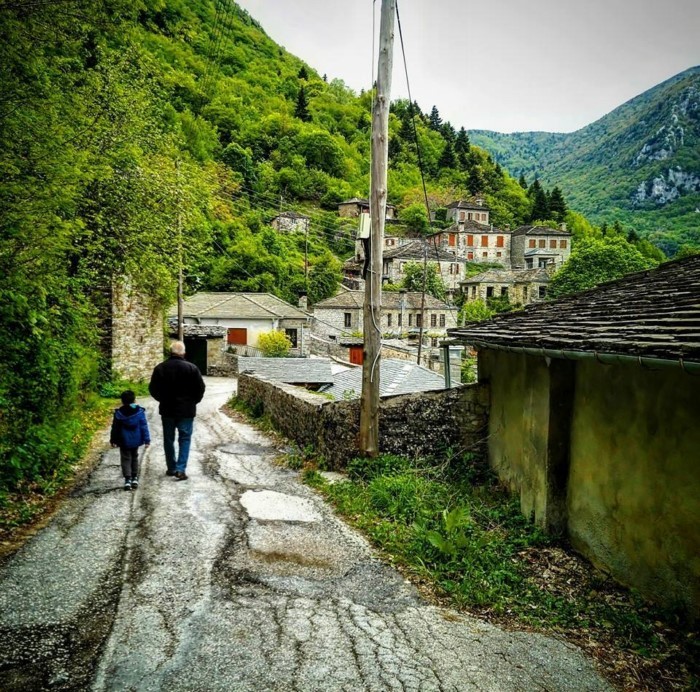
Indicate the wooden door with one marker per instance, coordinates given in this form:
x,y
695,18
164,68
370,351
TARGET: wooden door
x,y
237,336
356,355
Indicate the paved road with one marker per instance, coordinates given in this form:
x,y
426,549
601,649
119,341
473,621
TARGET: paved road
x,y
238,579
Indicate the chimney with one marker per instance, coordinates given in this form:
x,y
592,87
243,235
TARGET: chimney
x,y
562,226
303,303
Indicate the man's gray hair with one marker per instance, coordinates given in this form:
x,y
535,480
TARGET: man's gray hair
x,y
177,348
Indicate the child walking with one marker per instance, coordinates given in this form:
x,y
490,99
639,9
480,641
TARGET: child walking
x,y
129,432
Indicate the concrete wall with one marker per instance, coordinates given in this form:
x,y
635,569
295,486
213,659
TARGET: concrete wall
x,y
608,454
634,484
414,425
137,334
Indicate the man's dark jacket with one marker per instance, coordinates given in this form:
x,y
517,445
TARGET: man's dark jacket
x,y
178,385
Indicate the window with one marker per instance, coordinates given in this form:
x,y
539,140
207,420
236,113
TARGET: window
x,y
451,239
348,319
499,241
470,241
442,320
388,320
390,242
498,254
433,320
531,242
469,216
528,262
524,294
542,242
489,291
433,341
292,336
470,255
484,254
552,244
484,241
461,216
473,291
410,319
419,320
562,244
542,291
504,290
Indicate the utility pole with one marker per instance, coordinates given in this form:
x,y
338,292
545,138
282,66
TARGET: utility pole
x,y
180,279
422,300
369,403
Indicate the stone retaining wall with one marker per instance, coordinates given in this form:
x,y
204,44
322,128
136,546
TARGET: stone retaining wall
x,y
414,425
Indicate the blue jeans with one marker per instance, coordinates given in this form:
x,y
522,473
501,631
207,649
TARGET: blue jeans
x,y
184,438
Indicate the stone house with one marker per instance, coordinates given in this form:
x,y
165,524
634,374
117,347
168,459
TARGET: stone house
x,y
473,209
595,402
401,315
521,286
539,246
290,222
352,208
476,242
245,316
395,260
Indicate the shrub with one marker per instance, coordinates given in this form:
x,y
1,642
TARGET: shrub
x,y
274,344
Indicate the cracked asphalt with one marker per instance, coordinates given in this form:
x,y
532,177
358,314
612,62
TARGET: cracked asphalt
x,y
240,578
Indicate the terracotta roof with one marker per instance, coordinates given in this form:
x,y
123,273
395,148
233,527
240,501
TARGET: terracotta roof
x,y
238,305
650,314
509,276
391,300
539,230
416,251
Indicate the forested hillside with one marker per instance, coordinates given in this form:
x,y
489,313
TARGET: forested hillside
x,y
639,165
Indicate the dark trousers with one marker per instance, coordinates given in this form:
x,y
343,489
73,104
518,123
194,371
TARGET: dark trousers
x,y
130,461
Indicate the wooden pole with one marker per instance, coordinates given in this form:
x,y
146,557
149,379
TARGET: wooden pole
x,y
369,403
180,278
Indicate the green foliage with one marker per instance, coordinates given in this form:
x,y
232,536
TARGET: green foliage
x,y
415,217
274,344
475,311
595,261
324,279
415,276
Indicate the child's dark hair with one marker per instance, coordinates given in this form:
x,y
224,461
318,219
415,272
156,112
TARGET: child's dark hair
x,y
128,397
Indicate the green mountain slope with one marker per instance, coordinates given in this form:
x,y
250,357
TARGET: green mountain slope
x,y
640,164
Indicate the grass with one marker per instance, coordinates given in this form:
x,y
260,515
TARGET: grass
x,y
451,528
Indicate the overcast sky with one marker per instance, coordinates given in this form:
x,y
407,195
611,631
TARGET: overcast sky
x,y
505,65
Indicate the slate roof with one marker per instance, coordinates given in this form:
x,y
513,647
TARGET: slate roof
x,y
468,204
540,230
416,249
238,305
357,200
649,314
471,226
291,215
396,377
391,300
289,370
514,276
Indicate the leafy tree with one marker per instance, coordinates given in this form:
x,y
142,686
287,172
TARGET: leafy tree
x,y
415,217
475,311
414,277
324,279
301,110
274,344
594,261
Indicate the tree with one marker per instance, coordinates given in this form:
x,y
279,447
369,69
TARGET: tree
x,y
415,217
274,344
324,279
302,108
594,261
540,207
303,74
557,205
475,311
413,279
434,120
462,144
522,182
447,158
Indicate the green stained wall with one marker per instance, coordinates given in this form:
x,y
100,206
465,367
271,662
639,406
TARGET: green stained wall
x,y
634,481
518,425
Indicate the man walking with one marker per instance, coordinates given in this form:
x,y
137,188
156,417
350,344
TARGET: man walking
x,y
178,385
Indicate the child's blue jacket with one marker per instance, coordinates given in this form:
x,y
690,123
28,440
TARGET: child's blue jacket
x,y
130,430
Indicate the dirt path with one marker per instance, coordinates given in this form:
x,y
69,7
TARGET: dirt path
x,y
240,578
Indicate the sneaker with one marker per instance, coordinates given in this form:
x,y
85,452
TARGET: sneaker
x,y
127,484
134,483
180,476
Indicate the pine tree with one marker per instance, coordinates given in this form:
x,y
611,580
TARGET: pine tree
x,y
448,132
557,204
476,181
303,74
540,208
302,108
434,120
522,182
447,158
462,144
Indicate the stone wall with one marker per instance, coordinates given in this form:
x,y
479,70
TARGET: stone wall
x,y
415,425
137,334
